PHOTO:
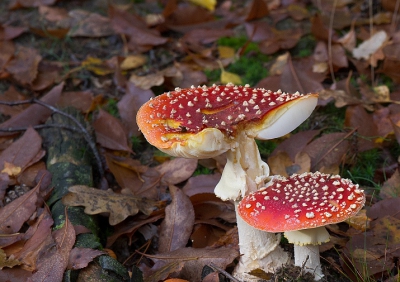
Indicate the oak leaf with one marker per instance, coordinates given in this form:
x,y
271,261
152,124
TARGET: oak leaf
x,y
97,201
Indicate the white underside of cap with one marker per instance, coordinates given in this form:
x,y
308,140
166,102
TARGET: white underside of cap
x,y
288,117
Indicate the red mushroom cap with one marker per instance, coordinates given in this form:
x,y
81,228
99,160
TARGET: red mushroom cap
x,y
179,116
302,201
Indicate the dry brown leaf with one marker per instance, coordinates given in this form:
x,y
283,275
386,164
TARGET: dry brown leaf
x,y
296,143
84,23
110,132
80,257
34,114
23,151
177,170
298,76
53,14
141,38
14,215
11,94
24,66
177,226
328,150
97,201
391,187
130,103
10,32
7,261
195,259
38,239
358,118
389,206
51,267
281,164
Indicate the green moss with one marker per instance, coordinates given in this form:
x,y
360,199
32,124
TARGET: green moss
x,y
266,147
305,47
112,107
202,170
250,66
363,171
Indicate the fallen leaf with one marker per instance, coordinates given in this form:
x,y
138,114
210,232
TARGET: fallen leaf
x,y
195,259
51,267
370,46
328,150
130,103
385,207
53,14
298,76
141,38
21,152
296,143
16,213
34,114
391,187
11,169
16,4
176,228
81,100
208,4
110,132
357,118
97,66
132,62
10,32
177,170
258,9
7,261
80,257
84,23
37,240
97,201
281,164
24,65
148,81
130,176
230,77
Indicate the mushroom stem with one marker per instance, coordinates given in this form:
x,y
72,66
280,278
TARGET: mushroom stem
x,y
306,248
258,250
245,172
311,254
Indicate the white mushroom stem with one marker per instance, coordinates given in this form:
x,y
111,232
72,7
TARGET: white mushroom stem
x,y
245,172
306,248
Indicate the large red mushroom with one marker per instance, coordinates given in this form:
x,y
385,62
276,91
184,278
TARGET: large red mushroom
x,y
301,206
204,122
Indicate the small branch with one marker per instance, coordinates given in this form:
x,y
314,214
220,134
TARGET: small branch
x,y
82,129
224,273
39,126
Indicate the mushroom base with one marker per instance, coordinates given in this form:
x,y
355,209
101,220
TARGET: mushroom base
x,y
258,250
307,257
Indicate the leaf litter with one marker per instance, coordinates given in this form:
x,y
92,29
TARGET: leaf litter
x,y
122,56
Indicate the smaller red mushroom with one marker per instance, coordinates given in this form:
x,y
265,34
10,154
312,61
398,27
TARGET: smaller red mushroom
x,y
300,206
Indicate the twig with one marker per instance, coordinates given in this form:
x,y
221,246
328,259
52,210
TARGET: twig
x,y
303,266
224,272
39,126
82,129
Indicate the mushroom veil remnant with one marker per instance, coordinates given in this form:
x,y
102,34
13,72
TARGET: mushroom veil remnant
x,y
301,206
204,122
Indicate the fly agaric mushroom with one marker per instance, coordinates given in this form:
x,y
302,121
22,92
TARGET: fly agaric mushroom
x,y
301,206
204,122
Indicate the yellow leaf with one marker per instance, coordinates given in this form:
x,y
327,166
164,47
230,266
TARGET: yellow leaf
x,y
208,4
229,77
226,52
133,61
11,169
97,66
